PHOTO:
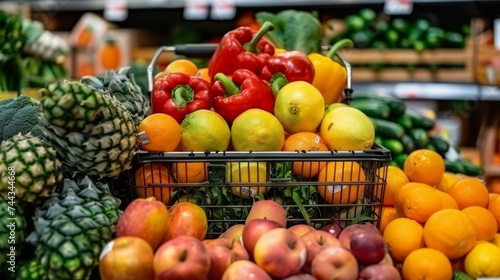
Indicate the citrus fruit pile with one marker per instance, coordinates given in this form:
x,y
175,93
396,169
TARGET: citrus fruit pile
x,y
436,223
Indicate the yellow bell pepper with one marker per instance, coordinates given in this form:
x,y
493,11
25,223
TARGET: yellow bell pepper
x,y
330,77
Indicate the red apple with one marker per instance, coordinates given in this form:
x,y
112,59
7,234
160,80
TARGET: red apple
x,y
379,272
146,218
368,247
234,232
126,256
302,276
253,230
335,262
269,210
280,253
245,270
347,232
301,229
315,241
182,258
223,252
186,218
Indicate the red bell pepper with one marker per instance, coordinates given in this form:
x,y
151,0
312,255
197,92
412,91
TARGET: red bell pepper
x,y
286,67
244,90
179,94
241,48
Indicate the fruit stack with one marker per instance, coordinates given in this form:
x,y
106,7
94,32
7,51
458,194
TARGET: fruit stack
x,y
403,129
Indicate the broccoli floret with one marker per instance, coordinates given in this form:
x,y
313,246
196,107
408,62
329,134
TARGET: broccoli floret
x,y
19,115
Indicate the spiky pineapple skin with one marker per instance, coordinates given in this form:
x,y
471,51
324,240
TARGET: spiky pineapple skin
x,y
123,87
72,227
93,132
37,171
10,214
32,270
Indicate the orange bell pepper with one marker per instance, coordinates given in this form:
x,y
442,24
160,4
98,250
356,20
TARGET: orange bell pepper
x,y
330,77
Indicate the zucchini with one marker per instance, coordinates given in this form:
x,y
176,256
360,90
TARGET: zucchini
x,y
418,120
405,121
470,169
441,144
420,136
393,145
372,108
408,144
397,105
387,129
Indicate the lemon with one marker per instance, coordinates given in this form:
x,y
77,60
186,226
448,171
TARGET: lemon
x,y
446,181
299,107
257,130
204,130
483,261
347,128
247,172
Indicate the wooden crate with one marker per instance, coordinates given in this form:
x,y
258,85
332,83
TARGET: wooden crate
x,y
424,72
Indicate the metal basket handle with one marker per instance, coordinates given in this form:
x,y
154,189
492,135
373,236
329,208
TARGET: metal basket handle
x,y
207,50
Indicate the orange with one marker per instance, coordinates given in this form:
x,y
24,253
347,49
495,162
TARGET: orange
x,y
190,172
205,130
492,196
257,130
299,106
203,73
447,180
401,194
341,178
496,240
305,141
484,222
185,66
388,215
162,133
424,166
403,236
469,192
421,203
494,185
450,231
427,263
494,208
396,178
152,179
448,200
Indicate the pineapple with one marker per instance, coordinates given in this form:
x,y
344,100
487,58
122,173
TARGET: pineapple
x,y
32,270
123,87
12,227
72,227
93,132
29,167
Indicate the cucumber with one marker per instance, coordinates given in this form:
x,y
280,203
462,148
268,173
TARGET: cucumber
x,y
429,146
400,159
420,136
454,166
387,129
408,143
396,105
470,169
378,140
393,145
418,120
393,163
441,144
372,108
405,121
459,275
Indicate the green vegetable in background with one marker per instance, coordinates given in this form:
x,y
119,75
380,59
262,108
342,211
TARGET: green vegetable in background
x,y
19,115
294,30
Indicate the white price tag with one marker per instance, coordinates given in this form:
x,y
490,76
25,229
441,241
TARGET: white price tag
x,y
408,91
398,7
196,10
223,10
116,10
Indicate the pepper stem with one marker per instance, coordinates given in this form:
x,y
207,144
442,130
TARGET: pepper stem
x,y
252,45
277,82
230,87
344,43
181,95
